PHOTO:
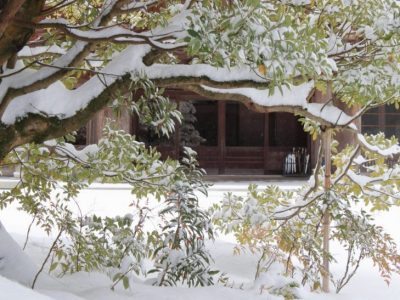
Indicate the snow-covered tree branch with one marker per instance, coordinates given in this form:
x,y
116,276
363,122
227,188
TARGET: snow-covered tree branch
x,y
63,61
243,45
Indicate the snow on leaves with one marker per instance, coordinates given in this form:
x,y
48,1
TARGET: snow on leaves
x,y
269,39
51,178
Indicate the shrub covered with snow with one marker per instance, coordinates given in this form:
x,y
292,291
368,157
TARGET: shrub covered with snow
x,y
53,175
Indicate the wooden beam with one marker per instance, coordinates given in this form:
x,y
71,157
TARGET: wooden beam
x,y
177,137
382,118
266,143
221,136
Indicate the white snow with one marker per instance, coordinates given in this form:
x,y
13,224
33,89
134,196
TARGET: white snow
x,y
136,5
28,77
389,152
366,285
12,290
35,51
361,180
175,29
57,100
292,96
14,263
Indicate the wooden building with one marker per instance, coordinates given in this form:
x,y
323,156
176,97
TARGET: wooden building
x,y
231,139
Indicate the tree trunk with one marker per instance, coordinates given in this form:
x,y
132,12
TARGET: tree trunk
x,y
326,219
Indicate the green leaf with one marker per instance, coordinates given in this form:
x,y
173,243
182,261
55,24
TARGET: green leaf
x,y
196,45
53,266
194,34
125,282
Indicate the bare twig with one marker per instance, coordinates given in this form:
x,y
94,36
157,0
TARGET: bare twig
x,y
28,232
47,257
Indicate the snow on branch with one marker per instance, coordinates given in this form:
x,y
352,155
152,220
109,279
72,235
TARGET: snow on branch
x,y
41,93
57,101
28,81
292,97
362,180
136,5
67,149
389,152
37,51
116,33
216,80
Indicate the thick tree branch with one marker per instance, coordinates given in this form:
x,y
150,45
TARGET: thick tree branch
x,y
8,12
315,111
12,36
41,79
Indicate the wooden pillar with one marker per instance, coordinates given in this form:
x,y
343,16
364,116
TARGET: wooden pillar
x,y
94,128
266,143
134,126
221,136
320,97
124,121
326,221
346,137
177,138
343,137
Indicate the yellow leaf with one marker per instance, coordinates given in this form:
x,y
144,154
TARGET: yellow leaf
x,y
391,57
314,136
262,69
321,86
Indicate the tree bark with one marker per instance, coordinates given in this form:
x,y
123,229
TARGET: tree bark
x,y
13,36
326,218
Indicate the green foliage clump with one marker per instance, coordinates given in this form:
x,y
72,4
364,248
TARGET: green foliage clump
x,y
52,176
286,226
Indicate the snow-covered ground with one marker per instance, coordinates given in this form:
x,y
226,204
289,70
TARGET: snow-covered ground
x,y
115,200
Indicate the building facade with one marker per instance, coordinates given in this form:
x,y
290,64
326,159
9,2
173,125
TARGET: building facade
x,y
231,139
